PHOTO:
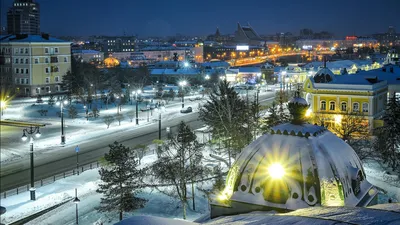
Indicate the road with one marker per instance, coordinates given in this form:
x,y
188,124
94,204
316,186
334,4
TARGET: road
x,y
17,173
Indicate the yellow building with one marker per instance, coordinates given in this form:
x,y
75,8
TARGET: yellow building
x,y
38,63
332,96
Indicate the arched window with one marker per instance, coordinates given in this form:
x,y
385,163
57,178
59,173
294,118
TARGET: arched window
x,y
365,107
343,106
356,107
323,105
332,106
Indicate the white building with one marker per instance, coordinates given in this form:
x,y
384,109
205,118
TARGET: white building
x,y
88,55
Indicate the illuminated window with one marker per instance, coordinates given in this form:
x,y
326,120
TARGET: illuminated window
x,y
356,107
323,105
343,106
365,107
332,106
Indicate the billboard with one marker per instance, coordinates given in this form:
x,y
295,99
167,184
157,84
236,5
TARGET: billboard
x,y
242,47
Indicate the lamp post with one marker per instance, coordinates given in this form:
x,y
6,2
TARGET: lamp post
x,y
29,132
76,201
77,159
61,104
3,106
183,84
137,106
159,123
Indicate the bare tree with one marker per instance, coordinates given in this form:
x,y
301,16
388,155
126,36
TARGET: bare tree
x,y
131,114
119,117
140,151
108,120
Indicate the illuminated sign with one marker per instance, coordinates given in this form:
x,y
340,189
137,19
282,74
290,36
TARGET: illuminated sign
x,y
307,47
242,47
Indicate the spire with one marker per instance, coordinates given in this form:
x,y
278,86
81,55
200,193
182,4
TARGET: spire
x,y
217,33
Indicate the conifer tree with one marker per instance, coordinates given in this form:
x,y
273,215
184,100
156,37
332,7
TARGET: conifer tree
x,y
121,181
271,120
72,112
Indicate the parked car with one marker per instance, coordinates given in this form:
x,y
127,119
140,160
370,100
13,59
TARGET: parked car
x,y
187,110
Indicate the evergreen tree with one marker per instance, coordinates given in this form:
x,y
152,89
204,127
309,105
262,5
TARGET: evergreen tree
x,y
282,114
227,114
272,119
120,181
51,101
72,112
391,133
179,164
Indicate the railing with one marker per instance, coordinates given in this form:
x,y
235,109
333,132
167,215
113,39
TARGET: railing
x,y
49,180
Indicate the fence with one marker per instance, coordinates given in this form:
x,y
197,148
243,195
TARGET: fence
x,y
49,180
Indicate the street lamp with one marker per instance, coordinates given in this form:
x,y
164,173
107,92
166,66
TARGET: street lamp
x,y
76,201
183,84
207,77
61,104
30,132
137,106
3,105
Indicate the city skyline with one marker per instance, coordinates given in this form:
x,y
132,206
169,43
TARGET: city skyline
x,y
168,19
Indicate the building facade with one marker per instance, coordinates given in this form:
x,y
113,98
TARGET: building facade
x,y
89,56
24,17
119,44
331,97
35,63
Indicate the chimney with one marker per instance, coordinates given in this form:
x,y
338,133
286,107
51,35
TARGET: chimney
x,y
45,36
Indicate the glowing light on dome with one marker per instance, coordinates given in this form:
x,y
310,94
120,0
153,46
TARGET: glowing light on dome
x,y
308,112
276,171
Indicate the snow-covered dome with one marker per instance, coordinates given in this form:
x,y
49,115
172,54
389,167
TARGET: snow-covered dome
x,y
298,100
324,75
297,165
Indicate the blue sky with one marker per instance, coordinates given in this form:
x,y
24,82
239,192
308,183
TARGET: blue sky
x,y
162,17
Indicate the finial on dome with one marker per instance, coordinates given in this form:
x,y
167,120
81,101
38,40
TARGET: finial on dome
x,y
297,108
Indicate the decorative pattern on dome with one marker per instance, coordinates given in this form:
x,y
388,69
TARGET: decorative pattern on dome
x,y
111,62
304,130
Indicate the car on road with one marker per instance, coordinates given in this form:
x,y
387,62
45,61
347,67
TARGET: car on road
x,y
187,110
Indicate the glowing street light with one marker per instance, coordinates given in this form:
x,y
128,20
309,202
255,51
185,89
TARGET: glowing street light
x,y
276,171
137,105
61,104
186,64
3,105
31,132
207,77
183,84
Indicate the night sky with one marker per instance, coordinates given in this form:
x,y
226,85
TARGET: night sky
x,y
163,17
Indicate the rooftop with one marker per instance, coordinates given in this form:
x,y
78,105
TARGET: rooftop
x,y
30,38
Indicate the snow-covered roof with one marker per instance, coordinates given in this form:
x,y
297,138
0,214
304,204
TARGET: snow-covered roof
x,y
31,38
249,70
184,71
216,64
340,64
318,168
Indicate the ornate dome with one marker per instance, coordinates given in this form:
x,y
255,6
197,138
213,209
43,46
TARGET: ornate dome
x,y
296,166
111,62
324,75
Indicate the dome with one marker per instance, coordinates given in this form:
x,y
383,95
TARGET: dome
x,y
111,62
298,100
295,166
324,75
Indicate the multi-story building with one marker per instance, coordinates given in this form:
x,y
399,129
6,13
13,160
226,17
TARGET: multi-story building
x,y
331,97
119,44
35,63
89,56
390,38
246,35
24,17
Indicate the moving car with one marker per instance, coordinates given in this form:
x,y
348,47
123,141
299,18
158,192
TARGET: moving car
x,y
187,110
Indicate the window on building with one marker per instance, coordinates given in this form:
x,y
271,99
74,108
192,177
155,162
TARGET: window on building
x,y
58,88
17,80
47,80
57,79
46,50
343,106
356,107
16,60
323,105
332,106
46,60
36,61
37,90
26,80
54,59
47,70
65,59
16,70
26,51
365,107
16,51
47,89
26,61
54,69
22,81
55,50
27,71
21,50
